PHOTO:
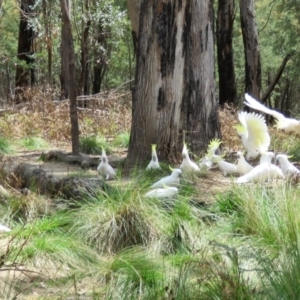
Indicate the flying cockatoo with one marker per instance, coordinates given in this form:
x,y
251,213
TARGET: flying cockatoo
x,y
4,228
161,193
287,124
187,165
206,162
243,167
224,166
254,133
153,164
171,180
287,168
262,172
105,169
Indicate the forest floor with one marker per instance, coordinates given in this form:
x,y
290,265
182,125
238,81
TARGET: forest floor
x,y
107,115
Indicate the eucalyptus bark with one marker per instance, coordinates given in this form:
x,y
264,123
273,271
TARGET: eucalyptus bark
x,y
227,84
25,75
133,7
251,48
175,88
71,58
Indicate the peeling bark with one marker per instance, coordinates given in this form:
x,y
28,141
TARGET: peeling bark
x,y
175,88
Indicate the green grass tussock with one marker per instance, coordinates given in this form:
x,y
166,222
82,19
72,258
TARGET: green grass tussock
x,y
93,144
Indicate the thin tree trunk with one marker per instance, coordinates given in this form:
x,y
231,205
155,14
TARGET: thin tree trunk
x,y
175,88
71,58
275,80
84,50
251,48
25,51
227,84
65,73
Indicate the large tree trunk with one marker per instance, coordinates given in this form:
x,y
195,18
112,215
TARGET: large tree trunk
x,y
251,48
227,85
175,88
71,58
25,50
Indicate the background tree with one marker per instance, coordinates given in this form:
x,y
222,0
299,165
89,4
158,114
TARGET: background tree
x,y
225,19
24,67
251,49
175,88
69,48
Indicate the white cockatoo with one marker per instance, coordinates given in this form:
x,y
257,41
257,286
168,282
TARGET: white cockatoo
x,y
162,193
287,124
224,166
287,168
254,133
243,167
105,169
206,162
262,172
187,165
171,180
153,164
266,157
4,228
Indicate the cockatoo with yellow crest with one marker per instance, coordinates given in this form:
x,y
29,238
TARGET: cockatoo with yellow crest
x,y
171,180
287,168
187,165
154,163
287,124
254,133
206,162
262,172
105,169
243,167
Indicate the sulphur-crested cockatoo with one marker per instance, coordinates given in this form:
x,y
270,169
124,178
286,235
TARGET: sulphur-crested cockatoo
x,y
161,193
187,165
243,167
153,164
4,228
171,180
224,166
254,133
206,162
105,169
287,168
262,172
287,124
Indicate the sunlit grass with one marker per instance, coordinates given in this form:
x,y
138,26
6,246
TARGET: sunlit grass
x,y
93,144
33,143
122,139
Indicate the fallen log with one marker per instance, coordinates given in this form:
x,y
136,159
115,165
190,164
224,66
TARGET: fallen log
x,y
35,178
84,160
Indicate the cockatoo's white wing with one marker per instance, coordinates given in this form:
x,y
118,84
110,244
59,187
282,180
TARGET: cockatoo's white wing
x,y
160,193
253,103
287,124
4,228
104,168
227,167
288,169
243,167
257,137
171,180
261,173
